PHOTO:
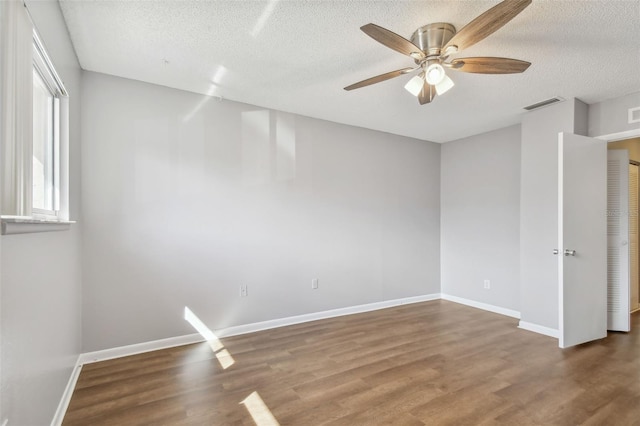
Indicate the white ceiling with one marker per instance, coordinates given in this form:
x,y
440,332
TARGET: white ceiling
x,y
297,55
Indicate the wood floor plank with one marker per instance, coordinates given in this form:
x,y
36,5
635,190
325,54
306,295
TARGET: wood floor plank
x,y
432,363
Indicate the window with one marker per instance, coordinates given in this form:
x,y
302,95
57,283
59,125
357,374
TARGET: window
x,y
45,188
34,130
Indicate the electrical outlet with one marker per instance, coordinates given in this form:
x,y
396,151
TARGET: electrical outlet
x,y
487,284
244,291
314,283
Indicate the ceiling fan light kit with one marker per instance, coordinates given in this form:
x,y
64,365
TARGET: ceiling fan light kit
x,y
414,86
445,84
432,44
435,74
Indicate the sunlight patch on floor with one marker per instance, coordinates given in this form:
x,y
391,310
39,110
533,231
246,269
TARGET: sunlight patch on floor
x,y
259,410
224,357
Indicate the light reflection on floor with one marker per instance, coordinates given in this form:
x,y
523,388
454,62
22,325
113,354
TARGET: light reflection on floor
x,y
254,404
224,357
259,410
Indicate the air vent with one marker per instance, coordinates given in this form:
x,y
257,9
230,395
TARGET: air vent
x,y
544,103
634,115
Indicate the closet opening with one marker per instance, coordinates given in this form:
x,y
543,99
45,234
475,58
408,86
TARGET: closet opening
x,y
623,229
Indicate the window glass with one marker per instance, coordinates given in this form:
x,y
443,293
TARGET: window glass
x,y
43,144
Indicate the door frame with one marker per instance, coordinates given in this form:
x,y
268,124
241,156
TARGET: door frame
x,y
614,137
637,164
619,136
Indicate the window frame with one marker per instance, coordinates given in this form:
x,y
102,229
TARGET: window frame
x,y
44,67
17,215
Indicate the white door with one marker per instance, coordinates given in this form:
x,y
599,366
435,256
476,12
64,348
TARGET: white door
x,y
618,244
582,239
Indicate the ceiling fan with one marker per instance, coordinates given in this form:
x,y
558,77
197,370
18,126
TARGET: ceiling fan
x,y
431,46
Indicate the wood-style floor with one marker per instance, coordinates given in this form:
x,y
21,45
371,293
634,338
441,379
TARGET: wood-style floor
x,y
435,363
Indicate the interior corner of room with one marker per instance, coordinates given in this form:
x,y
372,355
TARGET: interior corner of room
x,y
202,217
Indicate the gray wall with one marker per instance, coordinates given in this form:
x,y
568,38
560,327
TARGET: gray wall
x,y
41,279
480,210
185,199
612,116
539,208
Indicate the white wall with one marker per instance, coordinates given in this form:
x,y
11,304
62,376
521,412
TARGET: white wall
x,y
480,211
185,198
40,274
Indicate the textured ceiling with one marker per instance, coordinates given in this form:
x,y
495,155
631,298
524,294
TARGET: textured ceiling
x,y
297,55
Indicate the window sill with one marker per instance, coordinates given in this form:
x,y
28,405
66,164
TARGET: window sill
x,y
27,225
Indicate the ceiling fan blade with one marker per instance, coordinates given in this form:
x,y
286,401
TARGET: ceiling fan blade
x,y
487,65
427,94
393,41
379,78
487,23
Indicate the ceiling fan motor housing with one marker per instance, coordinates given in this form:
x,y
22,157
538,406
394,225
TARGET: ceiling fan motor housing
x,y
432,38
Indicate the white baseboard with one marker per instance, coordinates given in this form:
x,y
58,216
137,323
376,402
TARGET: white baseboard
x,y
298,319
529,326
171,342
483,306
138,348
66,395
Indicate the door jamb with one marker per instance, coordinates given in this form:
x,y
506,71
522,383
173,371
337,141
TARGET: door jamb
x,y
614,137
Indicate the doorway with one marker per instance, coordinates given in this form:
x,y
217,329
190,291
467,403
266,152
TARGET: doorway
x,y
632,146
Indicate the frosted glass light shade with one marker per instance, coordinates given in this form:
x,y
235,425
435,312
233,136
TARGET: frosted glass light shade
x,y
444,85
414,86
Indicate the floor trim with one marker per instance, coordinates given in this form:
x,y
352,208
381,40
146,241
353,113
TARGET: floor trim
x,y
138,348
122,351
540,329
483,306
66,395
298,319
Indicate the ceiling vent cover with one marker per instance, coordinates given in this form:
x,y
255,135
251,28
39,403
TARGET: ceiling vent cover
x,y
544,103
